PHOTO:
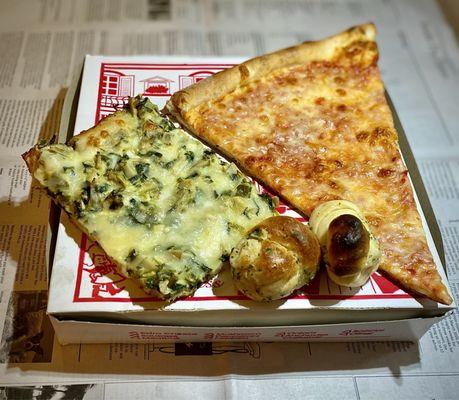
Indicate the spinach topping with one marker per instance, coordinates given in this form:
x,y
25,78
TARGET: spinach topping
x,y
255,234
176,287
226,193
151,283
169,164
87,166
244,189
79,209
189,155
142,170
110,160
70,170
132,255
166,124
151,153
193,175
142,214
199,265
271,202
114,201
85,193
207,153
257,212
101,188
230,226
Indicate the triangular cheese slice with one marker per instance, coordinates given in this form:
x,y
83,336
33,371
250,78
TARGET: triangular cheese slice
x,y
311,123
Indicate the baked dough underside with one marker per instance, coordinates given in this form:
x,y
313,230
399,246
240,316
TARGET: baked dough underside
x,y
318,129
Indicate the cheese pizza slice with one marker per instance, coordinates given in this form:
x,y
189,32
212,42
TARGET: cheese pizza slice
x,y
164,207
312,124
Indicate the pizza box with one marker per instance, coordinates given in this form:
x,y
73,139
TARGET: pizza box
x,y
89,301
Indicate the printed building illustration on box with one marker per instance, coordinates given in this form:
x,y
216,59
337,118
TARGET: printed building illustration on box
x,y
116,87
187,80
157,86
118,81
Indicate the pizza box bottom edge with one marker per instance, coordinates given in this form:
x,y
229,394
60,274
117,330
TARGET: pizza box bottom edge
x,y
71,331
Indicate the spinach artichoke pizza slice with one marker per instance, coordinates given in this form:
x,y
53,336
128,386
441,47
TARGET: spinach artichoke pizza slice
x,y
162,205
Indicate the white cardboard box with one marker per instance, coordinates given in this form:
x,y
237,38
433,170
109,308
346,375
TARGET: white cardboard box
x,y
91,302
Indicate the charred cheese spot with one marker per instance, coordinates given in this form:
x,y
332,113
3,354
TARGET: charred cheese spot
x,y
94,141
384,172
333,184
362,136
319,101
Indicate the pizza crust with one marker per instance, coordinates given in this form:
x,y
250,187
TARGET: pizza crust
x,y
31,158
228,80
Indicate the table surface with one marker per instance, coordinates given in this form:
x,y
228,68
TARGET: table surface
x,y
43,42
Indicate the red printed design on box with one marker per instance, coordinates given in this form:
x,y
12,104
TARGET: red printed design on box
x,y
118,81
300,335
361,332
114,89
157,86
102,273
195,77
306,335
97,277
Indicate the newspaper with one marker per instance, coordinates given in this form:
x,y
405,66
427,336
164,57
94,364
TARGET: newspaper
x,y
42,45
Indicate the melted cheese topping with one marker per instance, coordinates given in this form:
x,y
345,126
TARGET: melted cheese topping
x,y
162,205
323,131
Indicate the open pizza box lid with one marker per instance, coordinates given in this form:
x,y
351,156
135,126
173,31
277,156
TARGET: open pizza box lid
x,y
85,285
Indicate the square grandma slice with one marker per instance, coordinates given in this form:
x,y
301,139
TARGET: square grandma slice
x,y
162,205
